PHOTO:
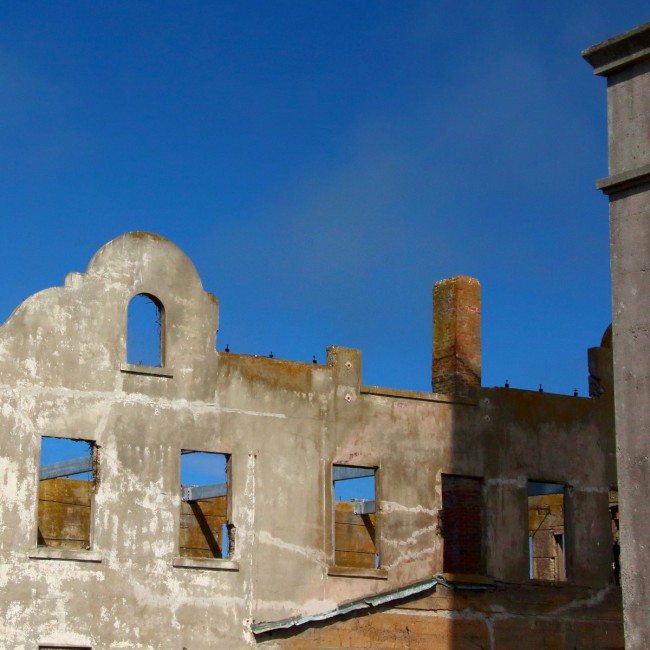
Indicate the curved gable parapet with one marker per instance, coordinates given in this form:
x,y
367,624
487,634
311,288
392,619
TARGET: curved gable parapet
x,y
138,257
76,335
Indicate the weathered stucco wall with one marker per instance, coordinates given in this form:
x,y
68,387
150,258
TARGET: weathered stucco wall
x,y
625,61
283,425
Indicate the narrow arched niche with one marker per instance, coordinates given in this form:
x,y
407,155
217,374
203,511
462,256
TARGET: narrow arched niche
x,y
145,344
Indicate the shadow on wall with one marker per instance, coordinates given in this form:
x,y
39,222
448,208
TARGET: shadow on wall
x,y
526,556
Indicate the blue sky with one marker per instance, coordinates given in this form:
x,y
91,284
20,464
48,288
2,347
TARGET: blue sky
x,y
323,164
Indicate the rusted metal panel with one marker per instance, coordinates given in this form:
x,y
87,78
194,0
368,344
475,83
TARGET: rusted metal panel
x,y
355,559
64,510
201,528
354,537
215,507
546,512
344,514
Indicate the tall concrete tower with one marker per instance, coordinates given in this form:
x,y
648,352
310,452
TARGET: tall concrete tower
x,y
625,61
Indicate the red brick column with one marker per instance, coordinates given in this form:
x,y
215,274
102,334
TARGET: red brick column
x,y
456,367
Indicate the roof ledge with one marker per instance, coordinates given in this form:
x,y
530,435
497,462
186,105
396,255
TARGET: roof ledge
x,y
620,51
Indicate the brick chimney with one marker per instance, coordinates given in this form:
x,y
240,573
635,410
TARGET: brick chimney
x,y
456,367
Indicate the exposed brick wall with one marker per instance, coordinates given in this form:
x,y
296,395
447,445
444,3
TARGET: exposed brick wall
x,y
462,524
506,617
456,367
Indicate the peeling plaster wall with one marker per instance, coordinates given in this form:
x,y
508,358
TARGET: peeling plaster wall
x,y
64,373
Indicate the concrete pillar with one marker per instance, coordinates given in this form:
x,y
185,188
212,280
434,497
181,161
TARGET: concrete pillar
x,y
456,367
625,61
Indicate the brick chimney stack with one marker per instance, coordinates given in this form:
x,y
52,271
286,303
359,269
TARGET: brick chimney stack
x,y
456,367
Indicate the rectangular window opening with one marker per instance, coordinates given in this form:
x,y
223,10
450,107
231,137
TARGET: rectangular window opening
x,y
67,480
546,531
462,524
205,528
354,518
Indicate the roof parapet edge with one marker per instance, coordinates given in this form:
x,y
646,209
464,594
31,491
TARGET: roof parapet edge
x,y
619,51
417,395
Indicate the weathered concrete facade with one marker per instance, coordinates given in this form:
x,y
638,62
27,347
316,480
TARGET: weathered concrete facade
x,y
449,469
625,61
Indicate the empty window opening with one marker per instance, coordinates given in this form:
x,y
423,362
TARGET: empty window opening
x,y
461,524
546,531
145,331
65,492
354,517
616,542
205,528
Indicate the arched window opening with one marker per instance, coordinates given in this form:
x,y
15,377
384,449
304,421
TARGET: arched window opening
x,y
145,331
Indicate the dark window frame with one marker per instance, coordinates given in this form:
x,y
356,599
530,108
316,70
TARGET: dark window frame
x,y
456,559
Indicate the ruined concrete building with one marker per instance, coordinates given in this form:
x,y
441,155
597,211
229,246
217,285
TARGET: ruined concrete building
x,y
346,515
198,499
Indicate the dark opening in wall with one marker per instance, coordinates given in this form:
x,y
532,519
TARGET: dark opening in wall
x,y
462,524
205,528
354,518
145,331
616,542
546,531
64,647
65,493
